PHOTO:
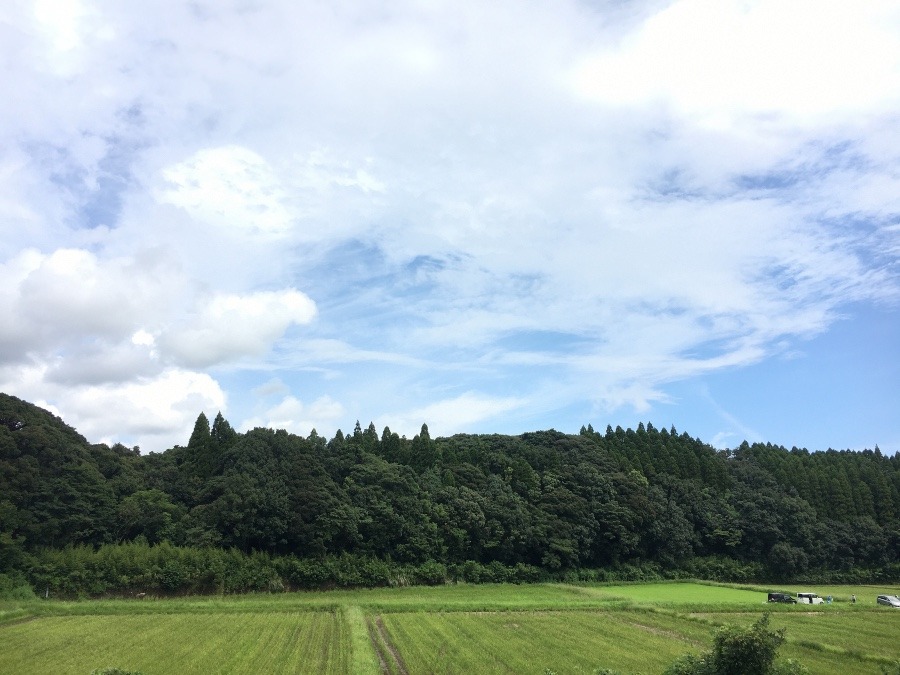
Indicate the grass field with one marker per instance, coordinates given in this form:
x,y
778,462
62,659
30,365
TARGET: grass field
x,y
541,628
178,643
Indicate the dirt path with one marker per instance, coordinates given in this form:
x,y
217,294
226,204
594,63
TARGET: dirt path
x,y
388,657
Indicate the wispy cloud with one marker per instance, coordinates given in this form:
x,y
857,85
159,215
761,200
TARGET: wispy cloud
x,y
458,214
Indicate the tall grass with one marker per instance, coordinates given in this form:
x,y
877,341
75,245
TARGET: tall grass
x,y
362,658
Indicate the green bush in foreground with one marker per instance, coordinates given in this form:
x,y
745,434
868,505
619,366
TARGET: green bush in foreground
x,y
739,651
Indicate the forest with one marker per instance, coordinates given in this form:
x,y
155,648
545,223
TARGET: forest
x,y
271,510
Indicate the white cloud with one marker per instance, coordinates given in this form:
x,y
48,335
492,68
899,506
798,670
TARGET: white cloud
x,y
606,197
719,60
71,296
447,416
273,387
231,326
231,187
107,340
291,414
155,412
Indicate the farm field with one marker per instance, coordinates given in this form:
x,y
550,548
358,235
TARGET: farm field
x,y
178,643
560,628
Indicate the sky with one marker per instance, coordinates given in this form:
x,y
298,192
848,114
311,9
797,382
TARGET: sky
x,y
488,217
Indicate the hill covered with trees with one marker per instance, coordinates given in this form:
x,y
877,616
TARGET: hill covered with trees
x,y
270,509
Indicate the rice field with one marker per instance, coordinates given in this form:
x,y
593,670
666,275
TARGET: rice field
x,y
178,643
679,594
861,639
535,642
540,628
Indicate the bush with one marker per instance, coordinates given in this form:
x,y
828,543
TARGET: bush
x,y
14,586
303,572
739,651
526,574
471,572
430,573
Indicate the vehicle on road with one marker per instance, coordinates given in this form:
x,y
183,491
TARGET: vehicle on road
x,y
782,597
810,599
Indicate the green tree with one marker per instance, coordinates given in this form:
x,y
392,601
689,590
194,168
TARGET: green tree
x,y
221,434
150,513
201,435
739,651
423,452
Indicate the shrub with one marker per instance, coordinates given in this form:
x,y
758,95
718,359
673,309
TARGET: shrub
x,y
430,573
15,587
739,651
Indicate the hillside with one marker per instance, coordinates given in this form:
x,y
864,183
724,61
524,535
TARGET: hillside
x,y
548,500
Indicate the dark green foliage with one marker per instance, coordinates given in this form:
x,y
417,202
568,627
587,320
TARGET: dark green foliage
x,y
129,569
627,504
149,514
742,651
221,434
51,489
15,586
739,651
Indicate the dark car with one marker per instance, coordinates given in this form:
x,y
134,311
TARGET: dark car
x,y
782,597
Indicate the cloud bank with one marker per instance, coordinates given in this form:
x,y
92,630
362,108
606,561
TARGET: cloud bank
x,y
478,216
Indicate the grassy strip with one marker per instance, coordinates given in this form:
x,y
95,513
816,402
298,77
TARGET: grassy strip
x,y
842,640
363,660
687,596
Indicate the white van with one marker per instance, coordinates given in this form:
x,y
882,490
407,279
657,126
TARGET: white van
x,y
810,599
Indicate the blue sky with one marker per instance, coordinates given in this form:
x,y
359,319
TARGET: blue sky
x,y
486,217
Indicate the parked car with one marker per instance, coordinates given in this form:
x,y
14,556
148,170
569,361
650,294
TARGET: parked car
x,y
889,600
810,599
782,597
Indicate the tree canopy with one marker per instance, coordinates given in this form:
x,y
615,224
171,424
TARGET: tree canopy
x,y
545,499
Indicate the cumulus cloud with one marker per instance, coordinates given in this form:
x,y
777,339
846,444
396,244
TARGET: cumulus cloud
x,y
71,296
719,60
232,326
122,339
548,205
155,412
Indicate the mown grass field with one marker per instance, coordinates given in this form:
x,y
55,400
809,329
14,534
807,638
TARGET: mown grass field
x,y
559,628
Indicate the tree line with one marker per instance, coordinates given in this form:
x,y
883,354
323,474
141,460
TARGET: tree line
x,y
475,507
